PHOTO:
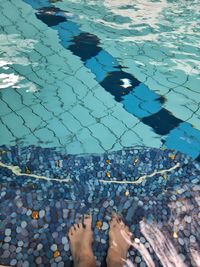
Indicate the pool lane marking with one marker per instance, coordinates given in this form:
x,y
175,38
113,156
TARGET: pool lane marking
x,y
110,75
142,178
17,171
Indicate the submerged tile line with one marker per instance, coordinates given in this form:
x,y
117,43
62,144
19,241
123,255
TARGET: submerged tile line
x,y
142,178
125,88
24,122
80,42
19,116
48,110
63,112
9,130
151,119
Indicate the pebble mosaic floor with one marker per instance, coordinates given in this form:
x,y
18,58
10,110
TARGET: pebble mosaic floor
x,y
158,198
59,106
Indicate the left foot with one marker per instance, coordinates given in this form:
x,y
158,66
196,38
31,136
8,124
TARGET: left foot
x,y
81,238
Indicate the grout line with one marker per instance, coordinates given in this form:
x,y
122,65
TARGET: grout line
x,y
142,178
17,171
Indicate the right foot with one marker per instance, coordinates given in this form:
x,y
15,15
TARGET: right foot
x,y
81,238
119,242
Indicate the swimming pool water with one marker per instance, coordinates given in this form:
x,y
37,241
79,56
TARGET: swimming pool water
x,y
80,87
115,80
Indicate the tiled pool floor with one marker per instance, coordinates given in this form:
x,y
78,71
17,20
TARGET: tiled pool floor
x,y
81,96
96,117
158,198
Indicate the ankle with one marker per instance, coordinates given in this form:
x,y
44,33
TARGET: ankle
x,y
84,257
114,261
116,257
85,262
116,252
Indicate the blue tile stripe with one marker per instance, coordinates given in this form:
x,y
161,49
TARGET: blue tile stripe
x,y
141,102
135,96
102,64
185,139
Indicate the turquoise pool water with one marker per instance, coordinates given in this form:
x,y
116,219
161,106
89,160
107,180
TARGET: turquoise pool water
x,y
100,76
99,113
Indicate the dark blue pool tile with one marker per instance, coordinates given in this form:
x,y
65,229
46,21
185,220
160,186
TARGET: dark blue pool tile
x,y
162,122
50,17
85,45
113,83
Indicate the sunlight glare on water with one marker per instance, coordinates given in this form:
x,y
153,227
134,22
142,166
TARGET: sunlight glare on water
x,y
170,26
14,50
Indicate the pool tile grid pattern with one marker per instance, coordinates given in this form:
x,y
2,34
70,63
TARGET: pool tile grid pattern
x,y
136,97
81,119
157,60
36,213
131,131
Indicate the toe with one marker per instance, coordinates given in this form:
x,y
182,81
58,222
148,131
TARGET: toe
x,y
71,232
76,226
115,217
127,230
88,221
122,225
113,223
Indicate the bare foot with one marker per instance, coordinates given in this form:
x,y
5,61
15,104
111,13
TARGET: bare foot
x,y
81,238
119,242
